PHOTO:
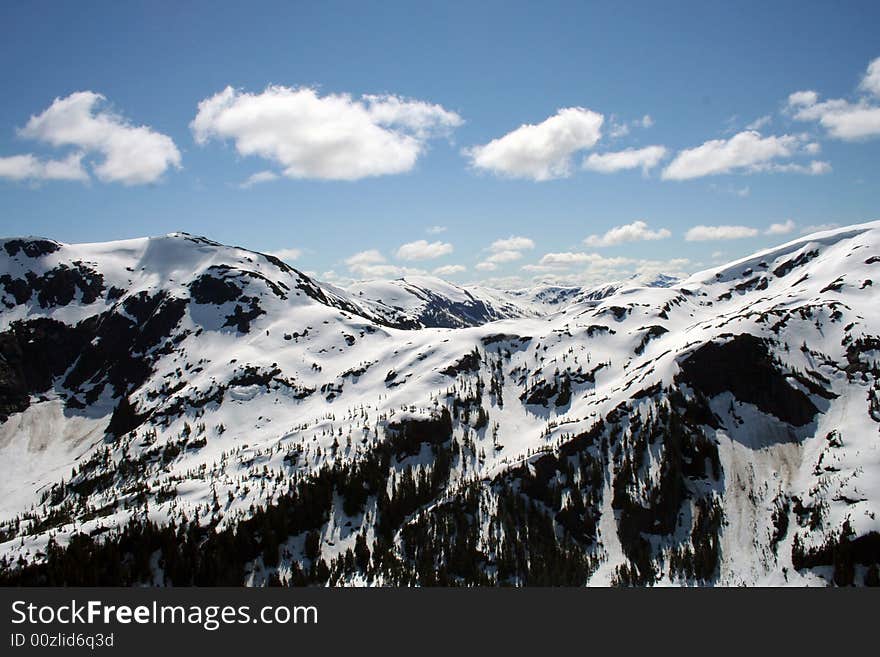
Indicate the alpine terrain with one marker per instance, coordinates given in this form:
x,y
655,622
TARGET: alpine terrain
x,y
174,411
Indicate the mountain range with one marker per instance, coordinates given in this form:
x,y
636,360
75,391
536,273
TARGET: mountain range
x,y
174,411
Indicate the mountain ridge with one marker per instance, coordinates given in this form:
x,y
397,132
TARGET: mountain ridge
x,y
618,432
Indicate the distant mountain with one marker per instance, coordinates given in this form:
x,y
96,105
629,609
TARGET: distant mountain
x,y
426,302
176,411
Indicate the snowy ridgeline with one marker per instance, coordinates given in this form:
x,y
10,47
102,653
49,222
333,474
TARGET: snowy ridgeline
x,y
176,411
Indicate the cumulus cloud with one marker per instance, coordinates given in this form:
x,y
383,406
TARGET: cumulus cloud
x,y
744,151
371,264
635,232
435,230
710,233
814,168
632,158
803,99
129,154
871,80
759,123
424,120
504,256
287,254
29,167
783,228
842,119
579,268
362,258
505,250
449,270
567,259
512,243
423,250
619,129
542,151
259,177
332,137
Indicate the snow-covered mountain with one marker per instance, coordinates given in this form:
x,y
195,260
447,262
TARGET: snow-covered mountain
x,y
175,411
426,302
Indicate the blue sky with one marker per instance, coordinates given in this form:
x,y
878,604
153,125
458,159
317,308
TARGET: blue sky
x,y
112,151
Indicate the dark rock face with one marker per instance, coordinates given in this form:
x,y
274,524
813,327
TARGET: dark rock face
x,y
32,355
540,393
406,437
788,265
31,248
468,363
241,319
17,288
57,287
743,366
117,352
503,337
650,333
208,289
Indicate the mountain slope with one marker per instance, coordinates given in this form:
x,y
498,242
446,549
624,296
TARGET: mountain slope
x,y
722,430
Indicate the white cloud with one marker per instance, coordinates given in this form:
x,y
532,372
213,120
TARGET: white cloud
x,y
504,256
708,233
423,250
745,150
332,137
371,264
814,168
845,120
803,98
634,232
132,155
287,254
435,230
543,151
449,270
29,167
759,123
259,177
783,228
618,129
631,158
871,81
622,129
501,282
505,250
842,119
512,243
566,259
369,257
425,120
579,268
818,228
